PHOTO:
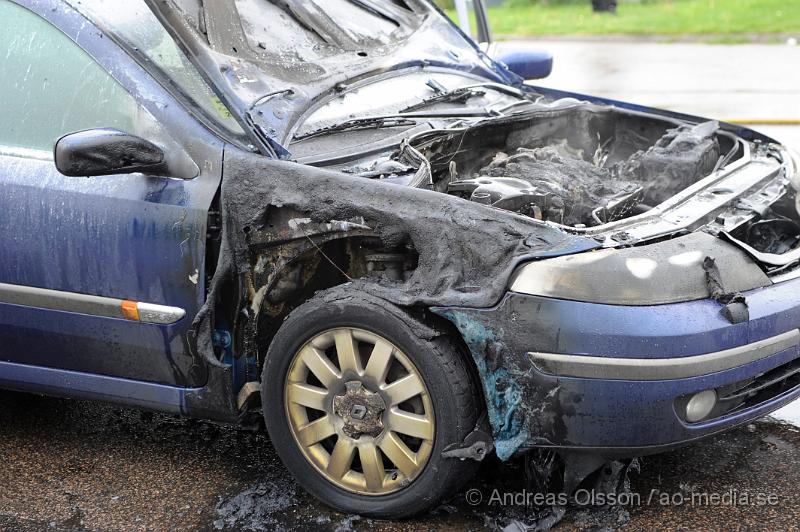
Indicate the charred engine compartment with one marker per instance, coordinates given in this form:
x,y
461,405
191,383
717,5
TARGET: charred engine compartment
x,y
556,182
572,163
772,237
774,233
579,166
568,162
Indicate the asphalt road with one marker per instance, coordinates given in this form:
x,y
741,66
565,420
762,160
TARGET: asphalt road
x,y
70,465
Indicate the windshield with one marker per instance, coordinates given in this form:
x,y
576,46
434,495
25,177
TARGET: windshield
x,y
134,23
274,60
406,93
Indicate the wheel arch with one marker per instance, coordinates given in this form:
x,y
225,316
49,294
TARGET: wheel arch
x,y
293,259
426,325
451,377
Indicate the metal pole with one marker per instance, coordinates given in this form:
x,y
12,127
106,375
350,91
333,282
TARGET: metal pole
x,y
462,9
482,22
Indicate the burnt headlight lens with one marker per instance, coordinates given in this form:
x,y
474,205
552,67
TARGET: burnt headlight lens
x,y
793,168
615,277
667,272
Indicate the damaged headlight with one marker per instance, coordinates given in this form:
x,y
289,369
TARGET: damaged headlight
x,y
793,167
667,272
791,160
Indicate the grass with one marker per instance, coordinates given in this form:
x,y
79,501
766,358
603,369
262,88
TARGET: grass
x,y
656,17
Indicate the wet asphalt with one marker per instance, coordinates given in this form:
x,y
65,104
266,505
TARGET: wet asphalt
x,y
746,82
73,465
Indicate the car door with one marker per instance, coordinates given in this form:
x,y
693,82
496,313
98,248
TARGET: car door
x,y
99,275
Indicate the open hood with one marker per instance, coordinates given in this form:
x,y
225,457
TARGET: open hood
x,y
272,60
392,91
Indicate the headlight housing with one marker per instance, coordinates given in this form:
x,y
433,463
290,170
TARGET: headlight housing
x,y
655,274
793,168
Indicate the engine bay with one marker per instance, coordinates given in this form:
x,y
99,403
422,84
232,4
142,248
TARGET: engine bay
x,y
582,166
576,170
574,164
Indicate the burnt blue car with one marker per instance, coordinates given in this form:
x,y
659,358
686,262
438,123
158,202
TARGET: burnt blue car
x,y
353,225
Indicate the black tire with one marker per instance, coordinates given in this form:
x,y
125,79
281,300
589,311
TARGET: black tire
x,y
457,403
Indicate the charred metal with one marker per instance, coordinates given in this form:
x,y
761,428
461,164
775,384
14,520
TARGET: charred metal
x,y
425,222
412,257
444,186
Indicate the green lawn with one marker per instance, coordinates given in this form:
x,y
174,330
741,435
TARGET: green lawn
x,y
656,17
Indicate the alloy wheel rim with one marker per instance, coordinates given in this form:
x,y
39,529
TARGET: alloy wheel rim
x,y
359,411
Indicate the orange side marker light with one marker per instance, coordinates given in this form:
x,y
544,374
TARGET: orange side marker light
x,y
130,310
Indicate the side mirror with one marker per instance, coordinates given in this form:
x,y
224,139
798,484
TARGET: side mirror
x,y
97,152
523,59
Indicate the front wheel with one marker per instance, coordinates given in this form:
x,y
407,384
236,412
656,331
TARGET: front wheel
x,y
360,407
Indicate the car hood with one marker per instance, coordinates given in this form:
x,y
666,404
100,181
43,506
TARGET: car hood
x,y
272,60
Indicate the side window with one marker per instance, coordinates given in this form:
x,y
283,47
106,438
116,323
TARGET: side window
x,y
51,87
138,26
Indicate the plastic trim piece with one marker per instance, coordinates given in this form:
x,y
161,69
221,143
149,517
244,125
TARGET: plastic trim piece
x,y
645,369
108,307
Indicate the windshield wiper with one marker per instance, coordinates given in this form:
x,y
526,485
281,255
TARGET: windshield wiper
x,y
462,94
454,96
375,122
399,120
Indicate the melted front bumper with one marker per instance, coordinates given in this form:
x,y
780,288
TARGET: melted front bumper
x,y
617,375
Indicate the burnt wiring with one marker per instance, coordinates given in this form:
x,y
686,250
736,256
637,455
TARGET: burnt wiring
x,y
319,249
765,236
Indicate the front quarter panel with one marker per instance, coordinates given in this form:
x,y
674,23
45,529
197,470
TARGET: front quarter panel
x,y
529,407
466,251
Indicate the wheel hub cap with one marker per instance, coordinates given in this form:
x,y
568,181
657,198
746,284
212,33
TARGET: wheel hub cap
x,y
360,409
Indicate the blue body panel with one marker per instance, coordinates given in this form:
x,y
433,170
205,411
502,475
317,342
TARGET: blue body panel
x,y
640,414
122,236
77,385
530,408
659,331
128,237
95,344
125,237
